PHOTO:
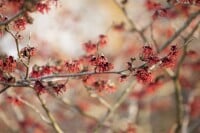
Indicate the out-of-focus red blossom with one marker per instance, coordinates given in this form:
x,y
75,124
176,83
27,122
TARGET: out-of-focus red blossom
x,y
151,5
143,76
160,13
185,83
39,87
192,54
149,56
73,66
169,32
27,52
195,107
90,48
195,66
20,24
14,101
59,88
8,64
42,7
88,80
170,60
104,86
103,40
119,27
130,129
149,89
83,105
29,123
101,63
123,78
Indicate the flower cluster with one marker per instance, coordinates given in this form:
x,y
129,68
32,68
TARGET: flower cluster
x,y
170,60
143,75
39,87
8,64
90,48
38,71
14,100
149,56
104,85
20,24
101,63
73,66
58,88
42,7
103,40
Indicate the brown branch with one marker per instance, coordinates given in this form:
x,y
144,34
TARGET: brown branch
x,y
99,98
20,13
119,101
177,86
73,75
75,107
54,124
133,27
34,109
186,24
18,51
4,89
152,37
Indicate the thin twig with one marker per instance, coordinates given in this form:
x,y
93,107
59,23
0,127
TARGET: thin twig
x,y
99,98
66,102
119,101
186,24
133,27
178,93
4,89
20,13
152,37
73,75
50,116
34,108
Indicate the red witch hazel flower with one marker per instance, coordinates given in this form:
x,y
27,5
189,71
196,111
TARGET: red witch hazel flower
x,y
103,85
38,71
42,7
90,48
103,40
27,52
149,56
143,75
14,101
20,24
101,63
73,66
59,88
39,87
170,60
8,64
150,5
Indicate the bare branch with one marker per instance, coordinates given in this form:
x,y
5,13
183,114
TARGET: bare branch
x,y
50,116
186,24
119,101
20,13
